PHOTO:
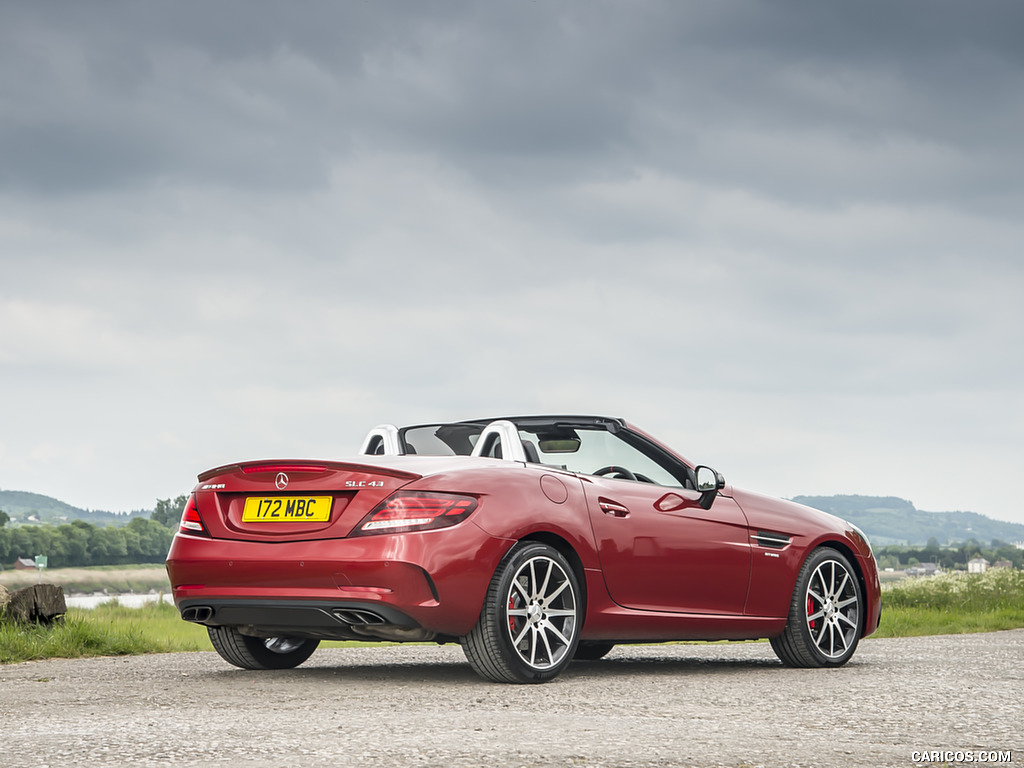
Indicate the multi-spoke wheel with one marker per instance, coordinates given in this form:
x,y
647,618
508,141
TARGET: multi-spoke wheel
x,y
825,614
529,626
260,652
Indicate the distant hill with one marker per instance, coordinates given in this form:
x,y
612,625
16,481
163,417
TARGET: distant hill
x,y
890,520
885,519
21,505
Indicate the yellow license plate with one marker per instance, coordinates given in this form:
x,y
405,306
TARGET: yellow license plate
x,y
287,509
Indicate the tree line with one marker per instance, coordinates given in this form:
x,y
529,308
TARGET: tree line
x,y
79,543
143,540
948,558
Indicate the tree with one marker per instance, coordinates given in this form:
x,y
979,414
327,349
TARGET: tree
x,y
168,512
4,518
106,546
5,546
76,544
153,540
21,541
888,561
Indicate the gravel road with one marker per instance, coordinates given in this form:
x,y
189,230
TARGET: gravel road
x,y
671,705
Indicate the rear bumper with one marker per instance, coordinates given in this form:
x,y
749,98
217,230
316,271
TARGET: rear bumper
x,y
325,620
434,580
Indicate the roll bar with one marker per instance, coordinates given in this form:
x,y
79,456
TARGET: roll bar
x,y
508,436
384,440
382,436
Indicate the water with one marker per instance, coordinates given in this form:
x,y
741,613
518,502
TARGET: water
x,y
131,601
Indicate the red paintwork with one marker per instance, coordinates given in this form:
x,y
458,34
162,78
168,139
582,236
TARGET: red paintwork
x,y
663,569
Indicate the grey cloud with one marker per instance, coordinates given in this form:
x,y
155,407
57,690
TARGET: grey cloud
x,y
522,95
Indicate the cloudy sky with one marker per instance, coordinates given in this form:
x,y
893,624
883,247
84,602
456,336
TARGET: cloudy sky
x,y
786,238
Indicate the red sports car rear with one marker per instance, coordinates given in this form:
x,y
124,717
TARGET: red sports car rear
x,y
531,541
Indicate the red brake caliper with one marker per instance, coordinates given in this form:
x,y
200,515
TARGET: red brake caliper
x,y
810,610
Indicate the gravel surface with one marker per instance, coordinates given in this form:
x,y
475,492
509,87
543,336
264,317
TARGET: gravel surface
x,y
670,705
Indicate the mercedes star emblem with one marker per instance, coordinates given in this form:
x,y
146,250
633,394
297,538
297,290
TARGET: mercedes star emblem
x,y
282,481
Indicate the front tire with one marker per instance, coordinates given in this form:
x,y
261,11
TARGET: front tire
x,y
260,652
530,623
825,615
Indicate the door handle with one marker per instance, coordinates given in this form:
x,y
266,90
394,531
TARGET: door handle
x,y
612,508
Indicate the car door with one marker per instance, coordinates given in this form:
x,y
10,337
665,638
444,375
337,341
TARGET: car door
x,y
660,551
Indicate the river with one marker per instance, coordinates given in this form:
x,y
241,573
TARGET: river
x,y
132,601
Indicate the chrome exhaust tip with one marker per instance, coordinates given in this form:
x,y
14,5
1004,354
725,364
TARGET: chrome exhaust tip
x,y
197,613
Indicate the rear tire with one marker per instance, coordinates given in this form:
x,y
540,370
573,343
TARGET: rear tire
x,y
825,615
530,623
260,652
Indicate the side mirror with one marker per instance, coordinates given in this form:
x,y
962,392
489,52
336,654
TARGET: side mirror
x,y
709,483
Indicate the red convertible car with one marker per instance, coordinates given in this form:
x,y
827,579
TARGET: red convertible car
x,y
531,541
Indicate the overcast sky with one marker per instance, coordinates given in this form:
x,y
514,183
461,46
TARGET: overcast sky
x,y
784,237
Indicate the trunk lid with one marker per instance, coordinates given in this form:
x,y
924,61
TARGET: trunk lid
x,y
275,500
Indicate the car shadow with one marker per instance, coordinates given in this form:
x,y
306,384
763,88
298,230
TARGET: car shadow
x,y
665,665
457,671
379,674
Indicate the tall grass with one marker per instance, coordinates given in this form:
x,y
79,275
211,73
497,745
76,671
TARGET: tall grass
x,y
107,630
953,603
157,623
112,629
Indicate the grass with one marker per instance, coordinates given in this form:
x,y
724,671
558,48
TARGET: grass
x,y
112,629
952,603
108,630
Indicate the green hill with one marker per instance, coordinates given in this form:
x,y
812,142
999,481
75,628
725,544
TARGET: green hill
x,y
22,505
890,520
886,519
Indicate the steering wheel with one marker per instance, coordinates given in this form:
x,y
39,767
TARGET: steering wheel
x,y
617,471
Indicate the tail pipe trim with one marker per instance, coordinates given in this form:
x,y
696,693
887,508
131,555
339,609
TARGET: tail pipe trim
x,y
197,613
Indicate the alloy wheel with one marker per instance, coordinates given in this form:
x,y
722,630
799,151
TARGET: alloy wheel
x,y
541,612
833,609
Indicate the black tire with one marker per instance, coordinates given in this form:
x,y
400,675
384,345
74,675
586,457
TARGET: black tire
x,y
260,652
592,651
826,614
530,622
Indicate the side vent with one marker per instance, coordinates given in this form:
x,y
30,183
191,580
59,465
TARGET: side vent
x,y
771,540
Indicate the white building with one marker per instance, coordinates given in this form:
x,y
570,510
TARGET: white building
x,y
977,565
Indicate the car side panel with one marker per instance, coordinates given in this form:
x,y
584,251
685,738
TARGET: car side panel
x,y
609,621
684,559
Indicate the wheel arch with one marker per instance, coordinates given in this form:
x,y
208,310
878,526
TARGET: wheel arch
x,y
493,645
846,551
569,553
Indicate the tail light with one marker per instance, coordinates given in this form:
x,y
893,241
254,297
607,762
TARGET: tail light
x,y
415,511
191,522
